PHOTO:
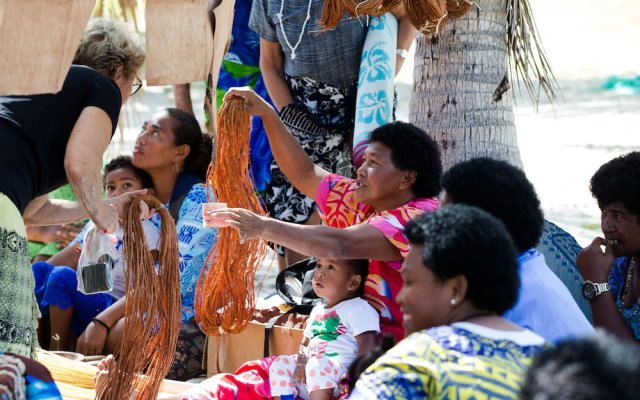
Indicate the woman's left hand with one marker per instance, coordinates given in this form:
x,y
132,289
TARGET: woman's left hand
x,y
121,203
248,224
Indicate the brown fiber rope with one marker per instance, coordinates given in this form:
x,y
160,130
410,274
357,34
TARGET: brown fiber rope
x,y
225,297
153,315
428,16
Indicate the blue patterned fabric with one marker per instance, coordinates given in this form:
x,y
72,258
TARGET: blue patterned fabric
x,y
375,99
616,281
452,362
240,67
194,243
560,250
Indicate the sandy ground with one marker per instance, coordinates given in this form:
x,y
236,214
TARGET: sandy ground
x,y
561,147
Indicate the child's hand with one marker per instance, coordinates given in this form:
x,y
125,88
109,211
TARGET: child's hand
x,y
300,374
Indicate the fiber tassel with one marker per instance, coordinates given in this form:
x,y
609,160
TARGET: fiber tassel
x,y
225,299
428,16
332,11
153,310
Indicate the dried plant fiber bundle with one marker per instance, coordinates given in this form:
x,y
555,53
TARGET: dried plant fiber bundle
x,y
224,294
332,10
458,8
428,16
153,312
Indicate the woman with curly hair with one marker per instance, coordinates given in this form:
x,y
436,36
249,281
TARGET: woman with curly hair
x,y
460,276
363,217
544,304
612,280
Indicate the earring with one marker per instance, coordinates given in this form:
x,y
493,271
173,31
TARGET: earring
x,y
453,301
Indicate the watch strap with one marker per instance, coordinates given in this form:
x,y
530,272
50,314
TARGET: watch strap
x,y
602,287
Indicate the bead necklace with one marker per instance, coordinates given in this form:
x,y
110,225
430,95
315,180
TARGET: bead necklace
x,y
626,292
304,25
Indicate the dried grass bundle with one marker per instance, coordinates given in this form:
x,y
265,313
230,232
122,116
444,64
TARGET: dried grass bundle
x,y
224,294
66,371
153,309
428,16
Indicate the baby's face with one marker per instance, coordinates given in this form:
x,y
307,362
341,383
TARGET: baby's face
x,y
120,181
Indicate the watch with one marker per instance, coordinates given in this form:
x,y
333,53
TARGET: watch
x,y
402,53
591,290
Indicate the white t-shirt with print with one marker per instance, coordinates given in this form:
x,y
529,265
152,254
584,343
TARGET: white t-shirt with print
x,y
332,331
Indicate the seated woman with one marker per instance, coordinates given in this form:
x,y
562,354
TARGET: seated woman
x,y
544,304
172,149
612,280
459,277
363,217
66,310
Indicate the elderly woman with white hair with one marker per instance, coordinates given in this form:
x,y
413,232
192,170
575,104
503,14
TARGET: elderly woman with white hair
x,y
48,140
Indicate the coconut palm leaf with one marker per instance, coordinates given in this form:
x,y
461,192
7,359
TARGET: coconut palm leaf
x,y
528,61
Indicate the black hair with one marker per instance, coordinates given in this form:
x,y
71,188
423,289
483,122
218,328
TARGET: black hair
x,y
596,367
359,267
619,181
503,191
122,162
465,240
362,362
412,150
187,131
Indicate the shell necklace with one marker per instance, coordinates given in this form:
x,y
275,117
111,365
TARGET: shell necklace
x,y
284,34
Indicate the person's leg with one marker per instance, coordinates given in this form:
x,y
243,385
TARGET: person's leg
x,y
41,272
323,378
281,373
60,327
70,311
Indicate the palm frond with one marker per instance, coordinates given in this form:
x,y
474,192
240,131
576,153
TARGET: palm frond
x,y
528,62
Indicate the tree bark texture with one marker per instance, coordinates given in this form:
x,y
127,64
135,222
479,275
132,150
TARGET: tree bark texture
x,y
461,95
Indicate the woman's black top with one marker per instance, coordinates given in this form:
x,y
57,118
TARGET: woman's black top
x,y
34,131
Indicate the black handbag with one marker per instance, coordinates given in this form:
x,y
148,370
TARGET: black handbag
x,y
294,285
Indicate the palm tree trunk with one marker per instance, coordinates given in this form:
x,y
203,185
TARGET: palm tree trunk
x,y
461,95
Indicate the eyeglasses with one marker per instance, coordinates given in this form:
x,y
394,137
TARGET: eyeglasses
x,y
136,85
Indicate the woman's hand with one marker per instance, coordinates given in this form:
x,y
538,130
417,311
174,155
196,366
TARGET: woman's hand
x,y
92,340
595,264
248,224
254,104
113,210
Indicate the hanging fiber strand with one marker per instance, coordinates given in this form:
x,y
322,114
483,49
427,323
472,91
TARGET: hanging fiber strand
x,y
153,312
428,16
458,8
332,11
225,297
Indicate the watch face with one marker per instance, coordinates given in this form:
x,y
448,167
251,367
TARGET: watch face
x,y
589,291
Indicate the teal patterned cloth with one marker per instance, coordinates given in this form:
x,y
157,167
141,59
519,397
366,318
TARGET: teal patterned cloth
x,y
374,103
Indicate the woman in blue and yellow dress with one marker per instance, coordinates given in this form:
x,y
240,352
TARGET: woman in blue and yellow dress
x,y
459,277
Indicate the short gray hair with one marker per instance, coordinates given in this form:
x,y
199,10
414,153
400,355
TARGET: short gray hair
x,y
107,44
